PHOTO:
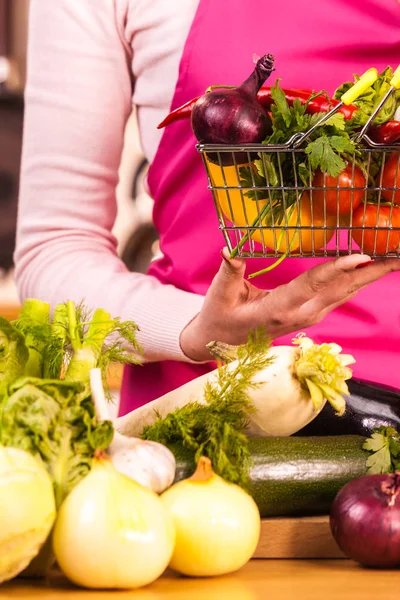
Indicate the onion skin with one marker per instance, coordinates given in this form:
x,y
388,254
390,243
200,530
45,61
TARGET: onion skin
x,y
234,116
365,520
217,524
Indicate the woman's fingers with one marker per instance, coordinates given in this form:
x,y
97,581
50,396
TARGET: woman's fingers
x,y
345,287
232,306
318,287
323,276
228,284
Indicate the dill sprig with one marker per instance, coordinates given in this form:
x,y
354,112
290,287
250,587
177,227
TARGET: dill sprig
x,y
216,429
122,349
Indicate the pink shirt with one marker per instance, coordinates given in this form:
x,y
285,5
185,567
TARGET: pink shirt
x,y
78,102
84,57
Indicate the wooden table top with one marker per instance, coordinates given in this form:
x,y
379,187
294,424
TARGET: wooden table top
x,y
258,580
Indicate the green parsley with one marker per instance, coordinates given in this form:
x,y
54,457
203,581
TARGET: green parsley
x,y
384,448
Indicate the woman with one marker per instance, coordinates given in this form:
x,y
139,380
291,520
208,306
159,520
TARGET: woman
x,y
83,58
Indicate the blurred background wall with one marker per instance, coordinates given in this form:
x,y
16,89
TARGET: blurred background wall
x,y
137,238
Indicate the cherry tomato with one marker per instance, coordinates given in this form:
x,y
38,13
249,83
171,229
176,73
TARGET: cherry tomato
x,y
391,178
376,218
342,201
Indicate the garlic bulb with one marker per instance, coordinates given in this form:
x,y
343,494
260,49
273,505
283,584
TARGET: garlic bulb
x,y
149,463
112,532
217,524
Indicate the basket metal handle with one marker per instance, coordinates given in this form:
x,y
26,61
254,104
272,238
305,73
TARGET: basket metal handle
x,y
394,85
361,86
366,80
395,81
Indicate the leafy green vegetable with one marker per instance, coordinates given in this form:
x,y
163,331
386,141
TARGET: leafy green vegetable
x,y
215,429
325,153
67,346
89,346
45,403
54,355
34,324
13,354
328,148
384,448
369,100
53,420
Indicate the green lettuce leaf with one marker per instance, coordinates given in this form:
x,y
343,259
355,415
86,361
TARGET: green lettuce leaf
x,y
369,100
13,354
54,420
34,324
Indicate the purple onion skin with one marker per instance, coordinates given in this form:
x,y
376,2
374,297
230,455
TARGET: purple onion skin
x,y
234,116
365,520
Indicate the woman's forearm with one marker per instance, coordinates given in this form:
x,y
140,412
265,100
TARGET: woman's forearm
x,y
78,100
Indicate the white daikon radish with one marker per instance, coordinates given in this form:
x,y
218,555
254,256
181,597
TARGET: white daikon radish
x,y
292,389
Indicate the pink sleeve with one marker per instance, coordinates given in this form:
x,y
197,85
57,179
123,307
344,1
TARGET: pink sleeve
x,y
78,100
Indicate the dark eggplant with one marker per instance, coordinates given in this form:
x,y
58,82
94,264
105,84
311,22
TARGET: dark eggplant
x,y
369,406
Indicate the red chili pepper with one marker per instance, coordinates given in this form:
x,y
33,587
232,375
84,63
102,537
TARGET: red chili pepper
x,y
183,112
321,103
387,133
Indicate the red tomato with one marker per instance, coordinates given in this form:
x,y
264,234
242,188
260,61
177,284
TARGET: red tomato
x,y
348,199
375,218
391,178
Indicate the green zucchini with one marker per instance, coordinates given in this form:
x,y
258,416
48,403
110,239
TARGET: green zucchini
x,y
296,475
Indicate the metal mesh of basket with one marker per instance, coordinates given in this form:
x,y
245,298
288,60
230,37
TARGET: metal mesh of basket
x,y
270,204
264,218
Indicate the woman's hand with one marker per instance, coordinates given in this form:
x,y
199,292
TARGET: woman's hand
x,y
233,306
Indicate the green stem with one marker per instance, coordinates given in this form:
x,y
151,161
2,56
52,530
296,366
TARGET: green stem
x,y
100,327
73,326
33,367
54,353
270,268
34,314
223,352
59,469
280,259
60,318
86,357
219,87
253,226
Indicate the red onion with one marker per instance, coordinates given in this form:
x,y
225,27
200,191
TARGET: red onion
x,y
234,115
365,520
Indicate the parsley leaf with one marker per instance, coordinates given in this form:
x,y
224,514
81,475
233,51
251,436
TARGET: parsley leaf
x,y
304,173
341,143
250,179
336,120
281,105
323,156
384,446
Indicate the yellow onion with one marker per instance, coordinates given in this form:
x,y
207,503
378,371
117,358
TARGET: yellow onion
x,y
112,532
27,510
217,524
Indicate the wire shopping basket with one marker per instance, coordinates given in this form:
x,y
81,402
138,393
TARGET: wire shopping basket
x,y
269,205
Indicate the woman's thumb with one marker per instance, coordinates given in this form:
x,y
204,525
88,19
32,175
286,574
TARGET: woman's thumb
x,y
231,273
